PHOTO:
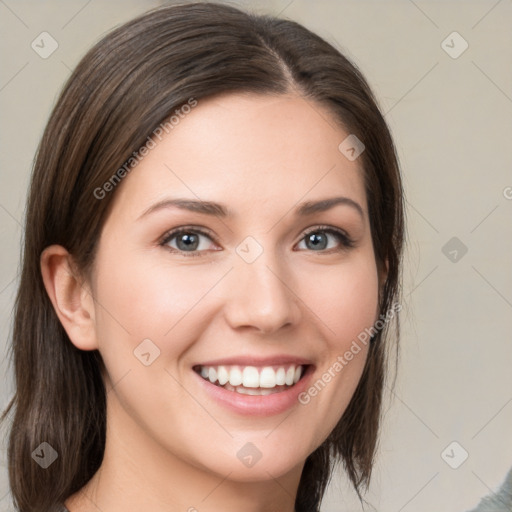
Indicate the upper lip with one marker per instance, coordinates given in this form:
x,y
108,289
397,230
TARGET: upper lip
x,y
246,360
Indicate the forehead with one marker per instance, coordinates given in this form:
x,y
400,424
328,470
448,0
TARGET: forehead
x,y
253,152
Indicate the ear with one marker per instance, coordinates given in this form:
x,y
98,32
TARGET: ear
x,y
70,296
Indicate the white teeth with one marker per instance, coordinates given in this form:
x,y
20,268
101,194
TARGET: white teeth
x,y
235,377
281,377
248,391
252,391
222,375
290,374
251,377
268,377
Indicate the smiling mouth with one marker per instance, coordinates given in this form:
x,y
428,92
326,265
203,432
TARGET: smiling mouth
x,y
252,380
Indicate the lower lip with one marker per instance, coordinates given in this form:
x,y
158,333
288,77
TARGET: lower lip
x,y
257,405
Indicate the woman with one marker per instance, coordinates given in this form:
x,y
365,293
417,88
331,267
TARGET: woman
x,y
211,266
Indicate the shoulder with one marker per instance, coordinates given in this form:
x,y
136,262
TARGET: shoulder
x,y
501,500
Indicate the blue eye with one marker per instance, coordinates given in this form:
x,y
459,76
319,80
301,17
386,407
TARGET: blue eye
x,y
190,241
187,241
318,239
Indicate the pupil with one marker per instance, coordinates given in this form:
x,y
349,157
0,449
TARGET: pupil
x,y
188,242
317,241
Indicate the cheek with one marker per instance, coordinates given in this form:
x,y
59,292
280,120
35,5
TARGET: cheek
x,y
146,300
142,297
346,302
345,299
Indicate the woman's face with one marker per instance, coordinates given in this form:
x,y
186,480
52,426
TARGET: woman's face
x,y
259,288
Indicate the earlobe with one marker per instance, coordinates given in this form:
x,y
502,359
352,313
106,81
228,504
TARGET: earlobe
x,y
71,299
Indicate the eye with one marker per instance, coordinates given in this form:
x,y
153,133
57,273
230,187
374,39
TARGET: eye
x,y
193,241
187,240
318,239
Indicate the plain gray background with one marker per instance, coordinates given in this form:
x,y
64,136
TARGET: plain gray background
x,y
451,118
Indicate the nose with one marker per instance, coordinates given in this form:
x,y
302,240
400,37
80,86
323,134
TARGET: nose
x,y
261,296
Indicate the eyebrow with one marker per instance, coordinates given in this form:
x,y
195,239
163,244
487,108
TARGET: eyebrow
x,y
220,210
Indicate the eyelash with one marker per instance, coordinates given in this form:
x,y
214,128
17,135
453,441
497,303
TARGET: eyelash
x,y
345,240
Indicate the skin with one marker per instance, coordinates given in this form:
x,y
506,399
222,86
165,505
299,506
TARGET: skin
x,y
169,446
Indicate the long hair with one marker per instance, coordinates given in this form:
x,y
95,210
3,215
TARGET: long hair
x,y
129,83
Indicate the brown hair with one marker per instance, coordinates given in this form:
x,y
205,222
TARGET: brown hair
x,y
124,87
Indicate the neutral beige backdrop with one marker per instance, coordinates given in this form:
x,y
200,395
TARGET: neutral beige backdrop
x,y
451,119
